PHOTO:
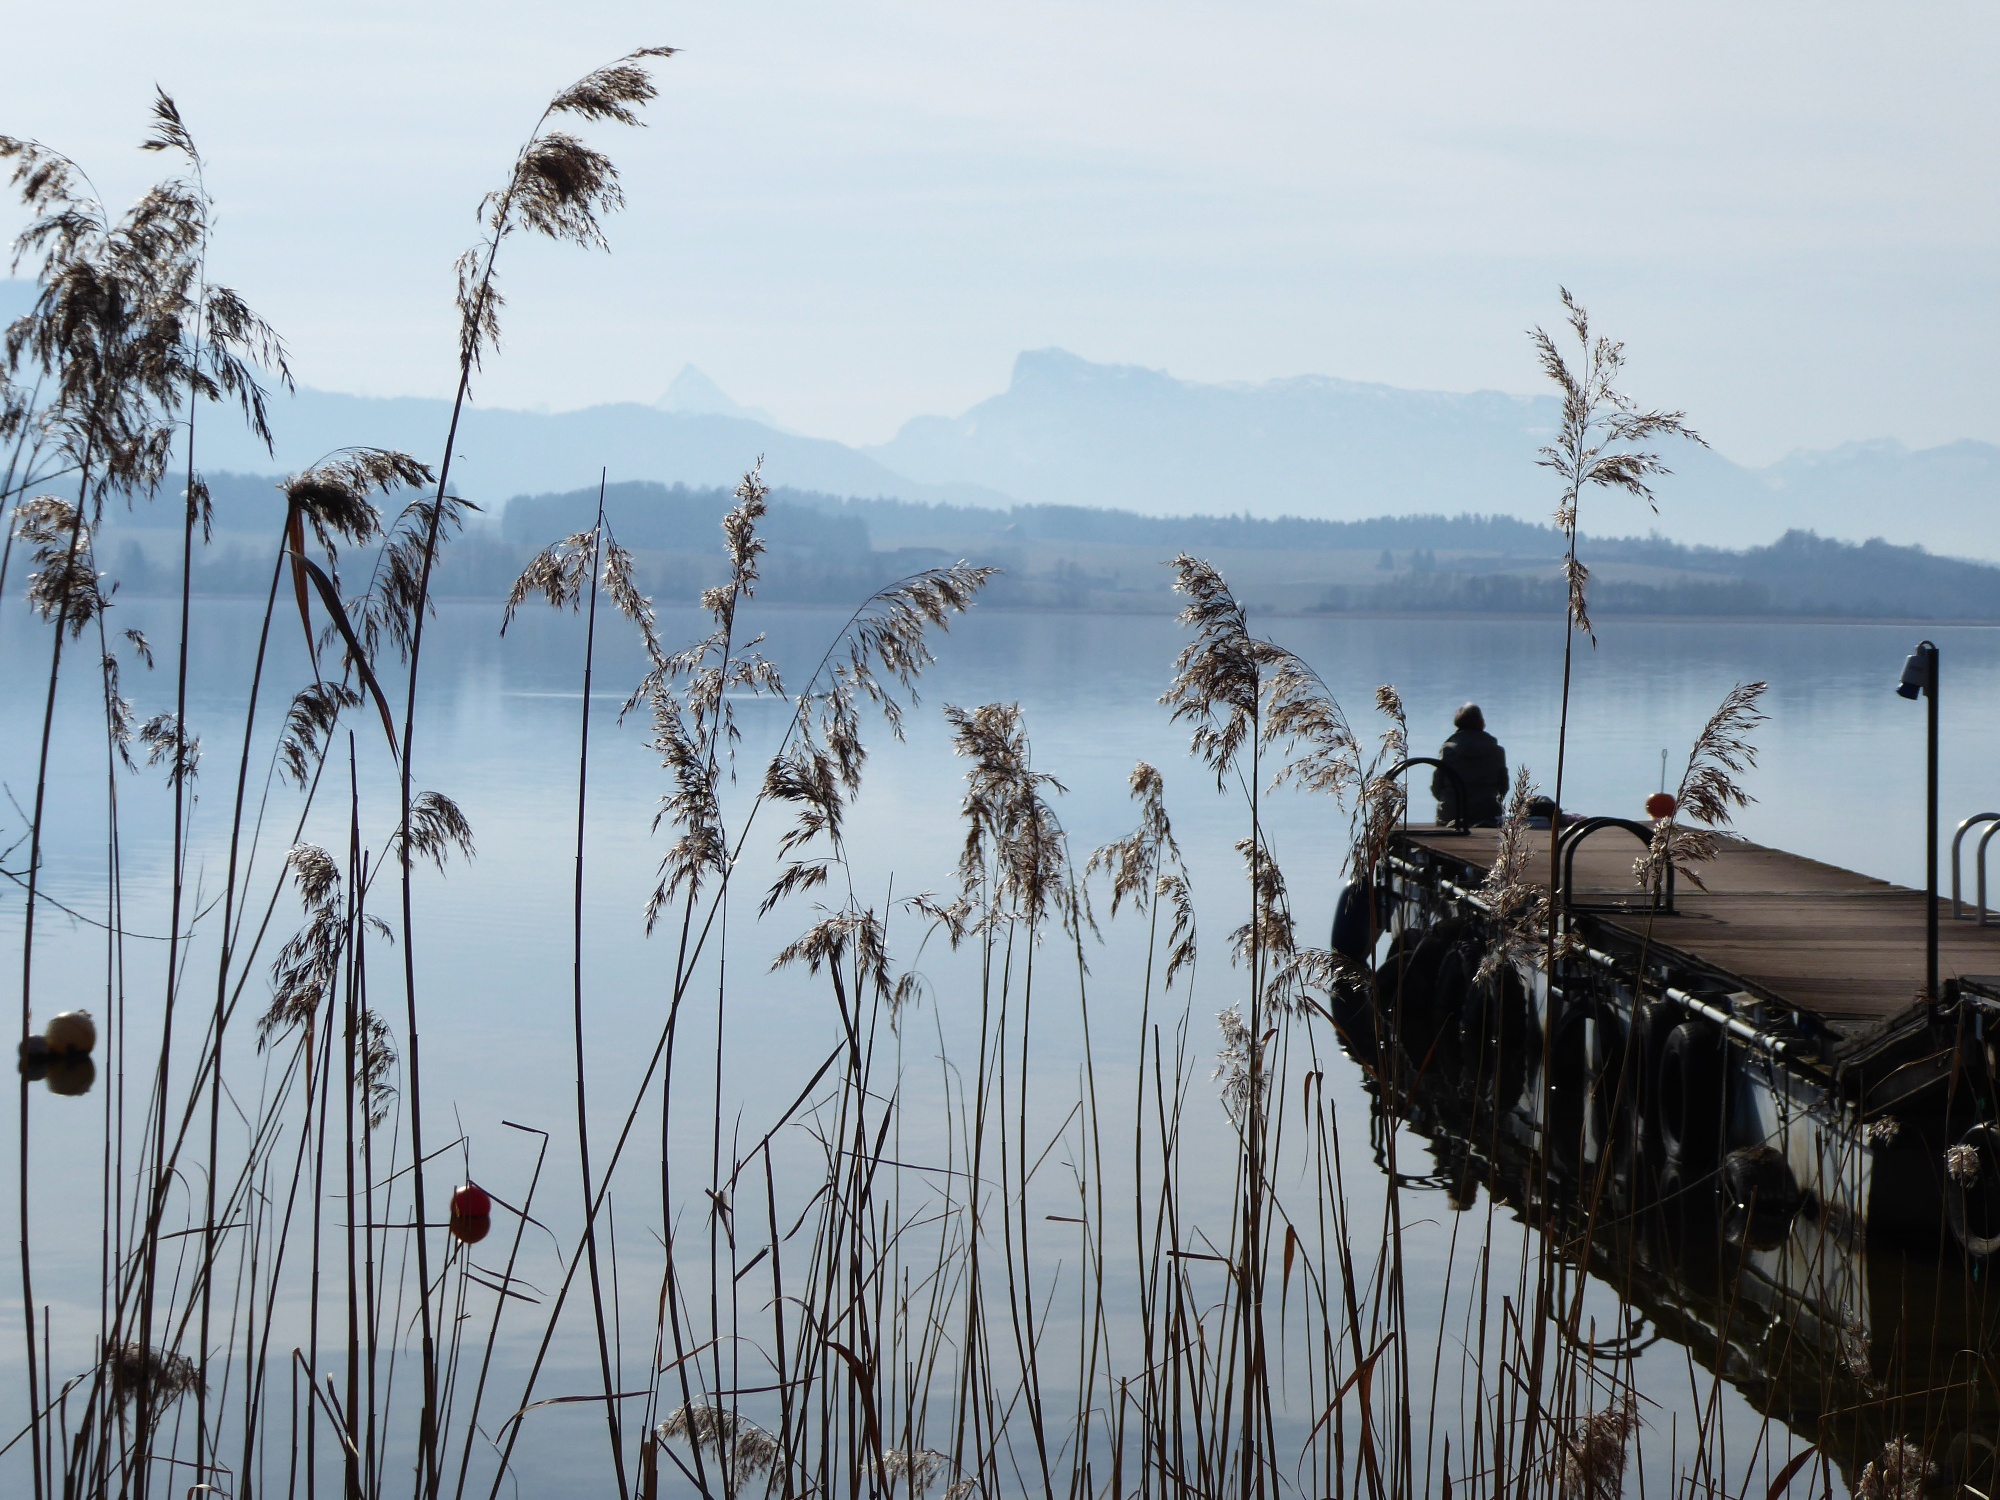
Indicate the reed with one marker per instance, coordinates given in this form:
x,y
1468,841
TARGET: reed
x,y
1021,1227
1600,445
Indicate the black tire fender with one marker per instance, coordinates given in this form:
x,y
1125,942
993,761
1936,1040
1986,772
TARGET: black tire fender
x,y
1692,1079
1572,1071
1648,1039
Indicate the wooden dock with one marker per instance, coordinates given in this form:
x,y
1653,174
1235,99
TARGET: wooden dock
x,y
1842,947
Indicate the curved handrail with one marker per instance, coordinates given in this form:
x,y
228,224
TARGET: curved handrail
x,y
1959,838
1980,859
1571,839
1457,825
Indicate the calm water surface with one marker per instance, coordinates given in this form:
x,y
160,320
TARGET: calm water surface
x,y
1840,778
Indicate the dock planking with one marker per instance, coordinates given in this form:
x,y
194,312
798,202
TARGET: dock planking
x,y
1841,946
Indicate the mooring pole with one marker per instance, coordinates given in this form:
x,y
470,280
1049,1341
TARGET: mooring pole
x,y
1920,678
1930,653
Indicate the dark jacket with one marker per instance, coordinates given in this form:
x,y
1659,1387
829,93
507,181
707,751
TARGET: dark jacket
x,y
1482,765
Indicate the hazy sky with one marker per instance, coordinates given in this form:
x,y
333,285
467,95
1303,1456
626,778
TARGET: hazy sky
x,y
852,213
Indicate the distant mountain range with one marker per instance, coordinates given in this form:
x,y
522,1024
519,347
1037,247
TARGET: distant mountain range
x,y
832,549
501,453
1067,431
1074,433
1070,432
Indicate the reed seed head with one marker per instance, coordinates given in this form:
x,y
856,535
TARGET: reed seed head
x,y
747,1449
1709,794
1899,1472
1961,1165
1518,937
911,1470
1238,1062
166,740
1134,862
1595,1454
1016,855
309,722
1600,441
335,495
158,1376
437,828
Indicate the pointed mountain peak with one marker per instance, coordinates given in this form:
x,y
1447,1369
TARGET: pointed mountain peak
x,y
694,394
1058,368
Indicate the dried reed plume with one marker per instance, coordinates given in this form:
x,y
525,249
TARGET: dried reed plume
x,y
120,722
1709,793
1181,949
694,726
912,1470
1300,710
745,1448
125,328
229,342
879,654
1594,1454
876,658
1015,854
1599,422
558,188
315,709
1270,931
1132,860
307,967
398,591
1519,904
841,938
378,1063
160,1376
1594,448
335,496
166,740
1239,1064
559,572
1899,1472
65,588
1218,676
435,828
1961,1165
1146,865
1383,799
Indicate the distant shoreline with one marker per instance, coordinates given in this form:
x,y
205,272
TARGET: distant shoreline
x,y
988,606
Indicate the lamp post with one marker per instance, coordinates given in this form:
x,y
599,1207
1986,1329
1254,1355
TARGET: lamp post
x,y
1920,678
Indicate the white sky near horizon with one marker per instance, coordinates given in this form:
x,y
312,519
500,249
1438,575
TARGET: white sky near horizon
x,y
850,215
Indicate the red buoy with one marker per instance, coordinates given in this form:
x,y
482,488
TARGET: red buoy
x,y
1661,805
470,1229
470,1201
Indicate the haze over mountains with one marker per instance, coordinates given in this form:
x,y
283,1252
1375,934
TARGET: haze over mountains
x,y
1068,431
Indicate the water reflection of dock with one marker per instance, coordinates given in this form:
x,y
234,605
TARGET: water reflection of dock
x,y
1791,1149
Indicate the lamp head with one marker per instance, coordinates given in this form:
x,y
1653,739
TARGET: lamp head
x,y
1919,672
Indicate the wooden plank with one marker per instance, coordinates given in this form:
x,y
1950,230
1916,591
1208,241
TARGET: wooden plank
x,y
1840,945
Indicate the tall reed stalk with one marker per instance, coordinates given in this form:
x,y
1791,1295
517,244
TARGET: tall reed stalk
x,y
558,187
1597,446
908,1266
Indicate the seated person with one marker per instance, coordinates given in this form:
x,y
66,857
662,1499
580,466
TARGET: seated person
x,y
1481,765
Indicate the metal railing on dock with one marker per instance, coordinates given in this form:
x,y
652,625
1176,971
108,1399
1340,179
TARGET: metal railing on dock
x,y
1458,824
1979,859
1661,893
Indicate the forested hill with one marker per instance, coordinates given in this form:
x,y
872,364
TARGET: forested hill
x,y
833,549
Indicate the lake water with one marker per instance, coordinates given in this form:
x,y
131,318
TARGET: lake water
x,y
1840,778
